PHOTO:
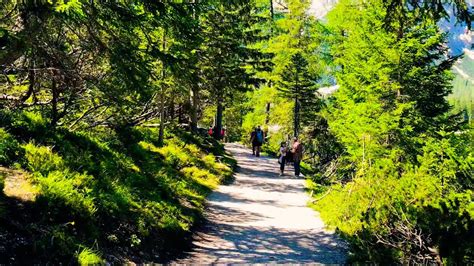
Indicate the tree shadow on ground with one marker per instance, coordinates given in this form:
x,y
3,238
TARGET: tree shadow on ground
x,y
228,235
265,245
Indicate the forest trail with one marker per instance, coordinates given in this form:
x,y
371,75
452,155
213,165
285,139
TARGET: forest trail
x,y
262,218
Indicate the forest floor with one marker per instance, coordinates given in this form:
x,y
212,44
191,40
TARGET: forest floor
x,y
262,218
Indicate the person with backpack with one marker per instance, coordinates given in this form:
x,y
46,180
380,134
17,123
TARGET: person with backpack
x,y
297,150
257,140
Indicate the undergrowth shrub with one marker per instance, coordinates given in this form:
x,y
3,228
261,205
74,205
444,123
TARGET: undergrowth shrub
x,y
28,125
409,215
10,149
114,189
63,190
88,256
41,159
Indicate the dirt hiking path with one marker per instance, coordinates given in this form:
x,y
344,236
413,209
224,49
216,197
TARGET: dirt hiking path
x,y
262,218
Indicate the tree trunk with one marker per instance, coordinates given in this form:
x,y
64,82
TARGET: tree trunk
x,y
162,97
219,115
296,117
54,101
271,17
194,107
267,114
172,110
162,122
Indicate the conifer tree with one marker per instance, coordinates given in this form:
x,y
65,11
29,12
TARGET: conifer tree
x,y
225,53
297,84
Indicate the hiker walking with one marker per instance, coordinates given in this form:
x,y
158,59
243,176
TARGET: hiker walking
x,y
297,150
253,141
282,157
256,138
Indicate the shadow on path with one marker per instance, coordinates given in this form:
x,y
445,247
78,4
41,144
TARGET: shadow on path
x,y
262,218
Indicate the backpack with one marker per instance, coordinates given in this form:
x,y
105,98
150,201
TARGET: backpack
x,y
260,136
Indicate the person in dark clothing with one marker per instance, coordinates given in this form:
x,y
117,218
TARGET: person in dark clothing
x,y
253,140
282,157
259,139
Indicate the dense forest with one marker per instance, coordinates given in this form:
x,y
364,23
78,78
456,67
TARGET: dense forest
x,y
105,106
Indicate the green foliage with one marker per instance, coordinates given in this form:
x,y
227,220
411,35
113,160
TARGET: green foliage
x,y
424,209
88,256
403,168
393,161
10,149
279,125
298,85
42,159
93,183
63,191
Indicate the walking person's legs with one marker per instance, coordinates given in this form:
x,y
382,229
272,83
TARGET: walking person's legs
x,y
253,149
282,165
258,150
297,167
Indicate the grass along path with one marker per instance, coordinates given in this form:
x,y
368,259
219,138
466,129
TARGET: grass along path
x,y
262,218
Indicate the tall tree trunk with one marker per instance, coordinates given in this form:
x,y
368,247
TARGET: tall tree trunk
x,y
219,115
54,101
194,107
271,18
31,80
162,97
267,114
194,91
296,117
267,117
296,112
162,121
172,110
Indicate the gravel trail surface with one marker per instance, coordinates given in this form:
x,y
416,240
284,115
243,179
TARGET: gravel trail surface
x,y
262,218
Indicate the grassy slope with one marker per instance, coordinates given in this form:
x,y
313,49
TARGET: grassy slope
x,y
103,195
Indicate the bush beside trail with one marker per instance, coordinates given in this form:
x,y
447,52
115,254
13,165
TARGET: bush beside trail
x,y
103,195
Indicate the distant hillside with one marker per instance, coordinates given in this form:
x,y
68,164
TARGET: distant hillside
x,y
463,87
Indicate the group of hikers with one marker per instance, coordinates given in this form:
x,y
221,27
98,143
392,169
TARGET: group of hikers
x,y
286,155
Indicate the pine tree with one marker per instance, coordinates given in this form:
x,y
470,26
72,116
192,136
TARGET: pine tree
x,y
297,84
226,54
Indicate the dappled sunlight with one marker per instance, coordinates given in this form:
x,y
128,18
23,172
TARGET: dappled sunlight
x,y
262,218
